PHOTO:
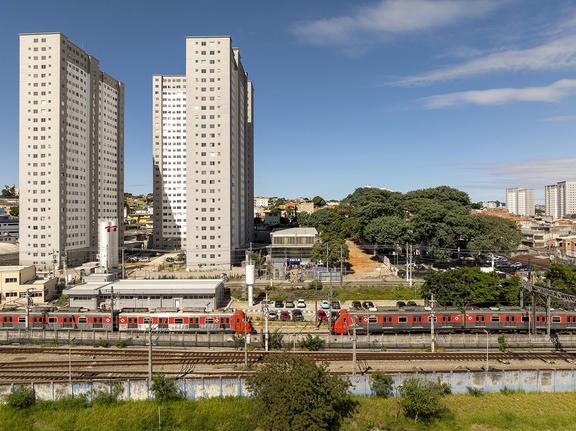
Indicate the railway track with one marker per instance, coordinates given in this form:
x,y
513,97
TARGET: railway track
x,y
236,357
16,365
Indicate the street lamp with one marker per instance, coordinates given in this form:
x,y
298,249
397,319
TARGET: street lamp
x,y
487,342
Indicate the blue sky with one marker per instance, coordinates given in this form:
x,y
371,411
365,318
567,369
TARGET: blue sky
x,y
403,94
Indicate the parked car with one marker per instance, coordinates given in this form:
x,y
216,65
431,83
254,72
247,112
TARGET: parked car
x,y
144,259
400,304
169,259
336,305
301,303
368,305
297,315
278,303
324,304
357,305
289,303
132,259
322,316
411,304
284,315
272,315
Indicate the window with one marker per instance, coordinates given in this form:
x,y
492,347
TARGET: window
x,y
495,318
403,319
10,280
556,319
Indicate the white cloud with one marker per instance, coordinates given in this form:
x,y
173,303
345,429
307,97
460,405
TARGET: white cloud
x,y
527,173
389,17
500,96
554,55
563,118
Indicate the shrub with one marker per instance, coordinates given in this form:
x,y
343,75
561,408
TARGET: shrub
x,y
21,397
275,340
507,391
502,342
291,392
315,284
100,397
123,343
165,389
422,398
310,343
475,392
238,340
102,343
381,384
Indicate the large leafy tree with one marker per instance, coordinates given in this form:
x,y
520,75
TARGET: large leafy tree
x,y
495,233
291,392
463,286
562,277
387,231
318,202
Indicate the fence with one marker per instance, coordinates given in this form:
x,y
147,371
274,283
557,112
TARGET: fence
x,y
530,381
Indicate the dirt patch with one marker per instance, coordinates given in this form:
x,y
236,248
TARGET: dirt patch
x,y
363,261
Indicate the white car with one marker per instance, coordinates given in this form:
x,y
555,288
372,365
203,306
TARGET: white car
x,y
301,303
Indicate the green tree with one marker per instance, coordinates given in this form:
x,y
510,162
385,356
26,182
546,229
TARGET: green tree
x,y
292,392
165,389
422,398
9,192
318,202
14,211
495,233
302,219
462,286
387,231
381,384
562,277
21,397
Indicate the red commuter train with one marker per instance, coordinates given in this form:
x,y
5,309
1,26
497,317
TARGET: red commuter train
x,y
50,318
452,319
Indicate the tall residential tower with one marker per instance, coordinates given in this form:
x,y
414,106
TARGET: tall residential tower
x,y
520,201
561,199
203,152
71,151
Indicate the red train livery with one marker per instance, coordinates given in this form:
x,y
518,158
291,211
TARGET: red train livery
x,y
78,319
452,319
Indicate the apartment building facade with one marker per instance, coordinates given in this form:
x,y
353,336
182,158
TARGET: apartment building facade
x,y
520,201
561,199
203,152
71,151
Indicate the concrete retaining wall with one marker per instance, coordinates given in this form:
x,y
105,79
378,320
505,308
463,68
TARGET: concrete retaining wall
x,y
373,342
530,381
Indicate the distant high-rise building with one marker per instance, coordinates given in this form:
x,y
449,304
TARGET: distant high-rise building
x,y
71,151
203,152
520,201
561,199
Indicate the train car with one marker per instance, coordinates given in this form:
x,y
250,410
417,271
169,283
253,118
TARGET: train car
x,y
217,322
53,319
395,319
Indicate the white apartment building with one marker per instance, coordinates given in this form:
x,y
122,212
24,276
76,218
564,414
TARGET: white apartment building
x,y
561,199
71,151
520,201
203,151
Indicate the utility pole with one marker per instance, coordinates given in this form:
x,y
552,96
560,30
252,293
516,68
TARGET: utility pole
x,y
354,345
341,265
265,309
27,309
245,341
150,350
123,265
432,319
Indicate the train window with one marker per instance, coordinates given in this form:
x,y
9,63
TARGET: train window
x,y
178,321
402,319
525,319
21,320
237,320
209,321
345,320
52,320
97,320
82,320
194,321
372,320
495,318
480,318
556,319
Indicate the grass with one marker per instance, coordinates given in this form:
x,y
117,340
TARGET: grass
x,y
493,411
